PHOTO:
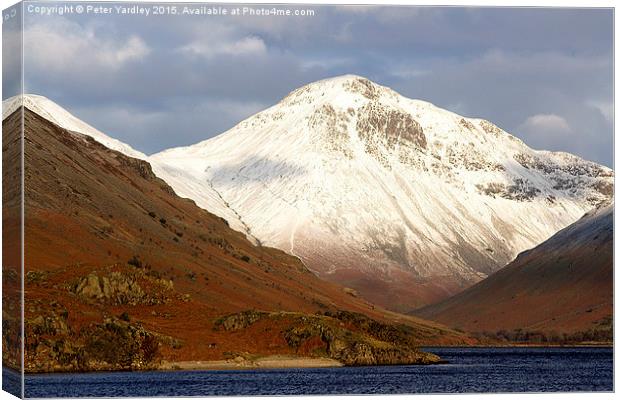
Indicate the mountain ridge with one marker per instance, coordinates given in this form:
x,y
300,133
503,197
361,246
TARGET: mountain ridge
x,y
51,111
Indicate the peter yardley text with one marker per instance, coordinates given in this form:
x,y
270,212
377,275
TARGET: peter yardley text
x,y
89,9
129,10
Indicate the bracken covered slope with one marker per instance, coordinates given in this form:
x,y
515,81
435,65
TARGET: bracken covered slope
x,y
122,273
563,285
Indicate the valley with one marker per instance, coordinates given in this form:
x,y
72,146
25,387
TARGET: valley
x,y
345,225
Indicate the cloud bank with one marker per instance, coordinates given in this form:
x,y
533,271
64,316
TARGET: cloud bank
x,y
544,75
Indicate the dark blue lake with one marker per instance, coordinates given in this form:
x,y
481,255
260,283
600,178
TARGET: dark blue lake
x,y
470,370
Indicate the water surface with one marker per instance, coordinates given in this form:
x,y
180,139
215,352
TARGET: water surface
x,y
470,370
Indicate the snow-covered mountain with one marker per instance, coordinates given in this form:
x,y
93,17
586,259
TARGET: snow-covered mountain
x,y
61,117
396,198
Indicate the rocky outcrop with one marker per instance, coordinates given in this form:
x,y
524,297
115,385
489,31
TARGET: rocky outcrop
x,y
115,287
363,354
122,288
242,320
350,338
59,342
113,345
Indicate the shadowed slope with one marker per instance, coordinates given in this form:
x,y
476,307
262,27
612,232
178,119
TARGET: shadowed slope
x,y
563,285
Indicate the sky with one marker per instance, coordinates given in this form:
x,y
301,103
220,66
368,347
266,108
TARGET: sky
x,y
155,82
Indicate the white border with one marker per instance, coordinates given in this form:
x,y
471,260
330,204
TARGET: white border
x,y
483,3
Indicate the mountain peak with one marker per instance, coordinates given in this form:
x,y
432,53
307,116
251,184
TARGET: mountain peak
x,y
340,87
343,78
28,100
340,80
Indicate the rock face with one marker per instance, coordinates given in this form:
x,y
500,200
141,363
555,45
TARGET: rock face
x,y
119,289
113,345
562,286
239,321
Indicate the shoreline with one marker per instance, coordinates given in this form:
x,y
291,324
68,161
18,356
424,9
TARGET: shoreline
x,y
268,362
259,363
280,361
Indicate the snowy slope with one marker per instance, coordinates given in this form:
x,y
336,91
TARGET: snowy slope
x,y
61,117
596,225
397,198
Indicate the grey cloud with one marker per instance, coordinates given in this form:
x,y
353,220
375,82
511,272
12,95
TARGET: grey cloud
x,y
177,123
509,88
183,79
